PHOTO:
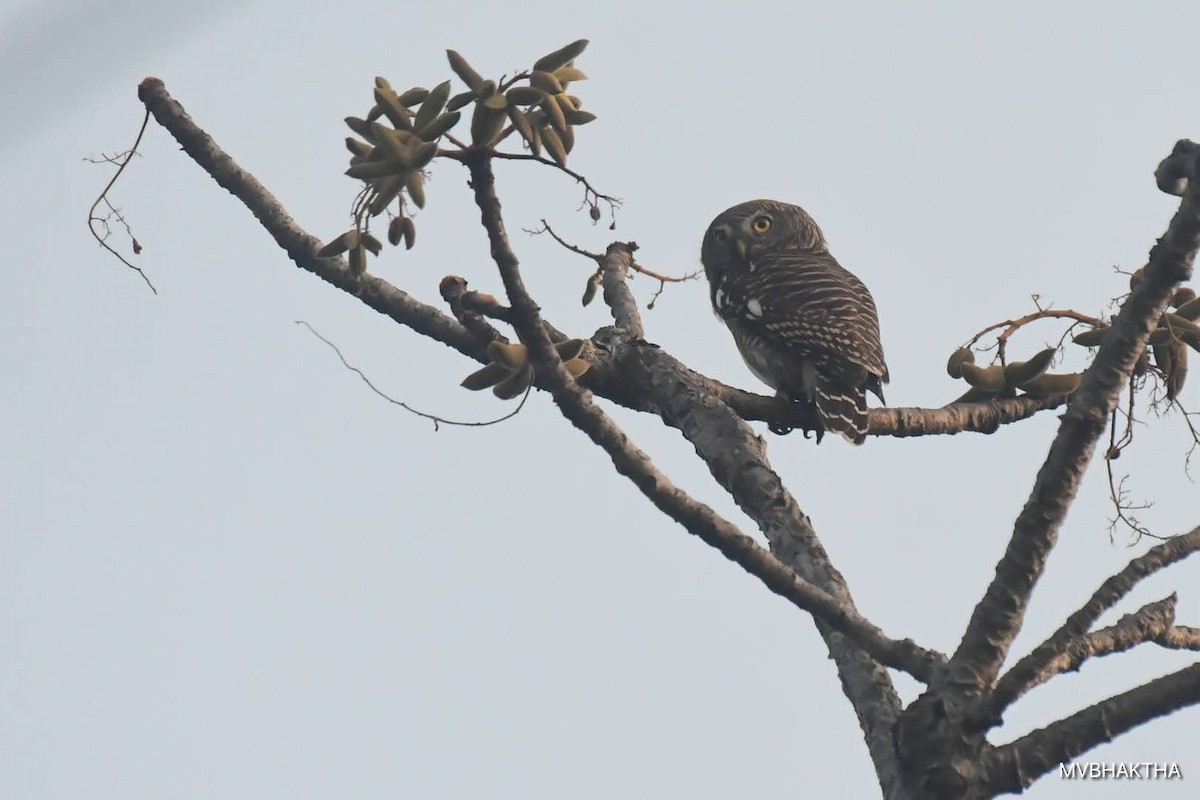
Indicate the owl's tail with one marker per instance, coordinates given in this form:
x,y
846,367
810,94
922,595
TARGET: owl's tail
x,y
842,409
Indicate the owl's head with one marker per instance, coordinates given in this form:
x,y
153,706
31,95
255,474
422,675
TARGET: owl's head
x,y
740,233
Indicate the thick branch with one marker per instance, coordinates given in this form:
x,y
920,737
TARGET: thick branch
x,y
1033,668
632,462
1013,767
997,618
300,246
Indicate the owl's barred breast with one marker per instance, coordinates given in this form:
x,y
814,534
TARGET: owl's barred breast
x,y
804,325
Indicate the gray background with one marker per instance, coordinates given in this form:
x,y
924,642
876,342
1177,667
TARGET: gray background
x,y
228,569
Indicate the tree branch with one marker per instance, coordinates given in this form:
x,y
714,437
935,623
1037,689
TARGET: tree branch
x,y
1013,767
1032,670
301,246
998,616
615,265
630,461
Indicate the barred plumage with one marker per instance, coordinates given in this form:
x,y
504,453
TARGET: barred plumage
x,y
804,325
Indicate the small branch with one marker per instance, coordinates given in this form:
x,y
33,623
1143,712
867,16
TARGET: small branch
x,y
636,465
1011,326
301,246
436,420
590,191
1011,768
1150,623
1024,675
596,257
998,616
615,265
121,162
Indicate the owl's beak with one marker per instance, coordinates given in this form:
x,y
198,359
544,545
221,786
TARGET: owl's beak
x,y
741,248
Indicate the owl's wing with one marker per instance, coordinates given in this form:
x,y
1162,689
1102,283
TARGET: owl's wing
x,y
806,302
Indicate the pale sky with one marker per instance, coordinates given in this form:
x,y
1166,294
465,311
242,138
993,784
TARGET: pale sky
x,y
230,570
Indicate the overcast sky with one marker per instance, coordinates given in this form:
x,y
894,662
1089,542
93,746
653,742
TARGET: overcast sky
x,y
230,570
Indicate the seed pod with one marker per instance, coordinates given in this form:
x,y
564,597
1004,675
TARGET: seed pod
x,y
1091,338
987,379
358,147
561,57
496,102
594,213
395,230
579,117
962,355
512,356
460,101
489,376
520,121
410,233
370,170
397,114
569,349
339,245
524,95
369,241
436,129
357,259
386,190
566,75
1049,385
486,124
463,70
362,127
1172,358
577,366
568,139
416,188
554,113
1178,323
1020,372
589,291
413,96
554,146
396,148
433,105
515,384
545,81
422,154
1189,310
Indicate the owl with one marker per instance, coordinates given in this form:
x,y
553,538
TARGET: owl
x,y
805,326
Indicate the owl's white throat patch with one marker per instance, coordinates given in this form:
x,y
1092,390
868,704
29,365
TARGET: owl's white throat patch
x,y
754,308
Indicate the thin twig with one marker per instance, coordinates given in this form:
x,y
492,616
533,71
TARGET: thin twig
x,y
122,162
436,420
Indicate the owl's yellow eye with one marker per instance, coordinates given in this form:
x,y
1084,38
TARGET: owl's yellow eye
x,y
761,224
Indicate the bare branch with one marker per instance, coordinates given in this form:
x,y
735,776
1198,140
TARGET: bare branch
x,y
998,616
301,246
1153,622
615,265
1011,326
121,161
633,463
1024,675
436,420
1013,767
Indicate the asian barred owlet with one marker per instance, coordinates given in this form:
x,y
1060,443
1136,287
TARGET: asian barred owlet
x,y
803,324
